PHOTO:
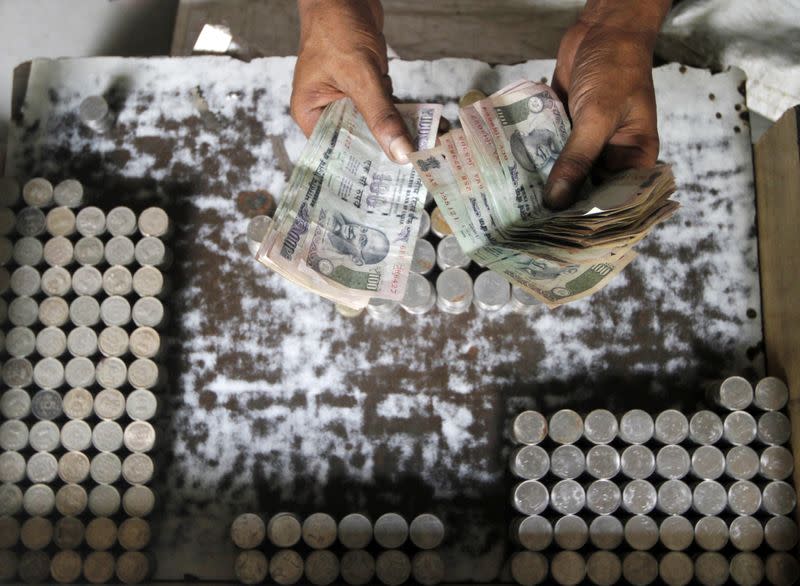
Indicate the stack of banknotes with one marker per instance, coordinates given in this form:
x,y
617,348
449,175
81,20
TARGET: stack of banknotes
x,y
488,179
347,223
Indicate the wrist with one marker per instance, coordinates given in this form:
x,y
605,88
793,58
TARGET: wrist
x,y
643,17
341,14
307,8
303,6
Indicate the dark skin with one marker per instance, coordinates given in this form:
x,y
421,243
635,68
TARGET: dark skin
x,y
603,76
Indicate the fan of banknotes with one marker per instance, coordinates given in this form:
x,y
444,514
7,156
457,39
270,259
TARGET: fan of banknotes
x,y
488,180
347,223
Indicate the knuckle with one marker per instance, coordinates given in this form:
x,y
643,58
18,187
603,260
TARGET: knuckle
x,y
294,103
383,119
296,107
574,163
362,70
650,144
294,110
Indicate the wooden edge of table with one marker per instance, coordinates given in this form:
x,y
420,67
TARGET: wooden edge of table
x,y
777,174
19,87
178,45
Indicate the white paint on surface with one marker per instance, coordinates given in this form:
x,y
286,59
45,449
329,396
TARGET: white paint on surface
x,y
304,399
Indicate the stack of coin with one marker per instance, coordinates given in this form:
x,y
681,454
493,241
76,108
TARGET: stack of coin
x,y
247,533
256,231
338,551
491,291
700,498
81,378
420,295
95,114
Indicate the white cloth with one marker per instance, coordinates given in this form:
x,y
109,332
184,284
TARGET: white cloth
x,y
762,38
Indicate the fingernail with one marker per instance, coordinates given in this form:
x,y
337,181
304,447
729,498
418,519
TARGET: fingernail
x,y
400,148
558,194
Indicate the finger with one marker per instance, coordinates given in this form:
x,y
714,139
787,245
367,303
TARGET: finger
x,y
619,157
386,82
560,84
381,116
306,119
589,136
309,100
376,10
565,60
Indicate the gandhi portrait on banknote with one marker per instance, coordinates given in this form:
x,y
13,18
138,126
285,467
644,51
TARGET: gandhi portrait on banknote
x,y
535,151
364,245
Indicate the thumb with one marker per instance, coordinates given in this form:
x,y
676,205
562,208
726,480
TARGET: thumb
x,y
373,99
583,148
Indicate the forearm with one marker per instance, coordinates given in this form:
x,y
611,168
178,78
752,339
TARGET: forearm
x,y
342,54
633,16
307,8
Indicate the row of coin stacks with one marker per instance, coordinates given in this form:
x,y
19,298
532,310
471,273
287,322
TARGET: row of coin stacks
x,y
81,309
699,498
320,551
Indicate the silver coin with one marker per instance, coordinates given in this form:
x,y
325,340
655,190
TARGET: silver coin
x,y
426,531
90,221
154,221
107,436
109,404
534,532
391,530
60,221
87,280
355,531
671,427
44,436
68,193
641,532
636,426
78,403
117,280
565,427
82,342
600,426
121,221
38,192
15,404
46,404
51,342
529,427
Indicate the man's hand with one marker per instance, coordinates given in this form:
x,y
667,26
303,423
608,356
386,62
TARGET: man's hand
x,y
604,77
343,54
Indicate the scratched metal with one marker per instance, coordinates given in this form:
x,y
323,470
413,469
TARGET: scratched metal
x,y
277,403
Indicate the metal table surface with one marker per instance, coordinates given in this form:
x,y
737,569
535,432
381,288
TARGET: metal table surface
x,y
277,403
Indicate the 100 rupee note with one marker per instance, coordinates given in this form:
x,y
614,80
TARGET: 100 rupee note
x,y
488,180
348,221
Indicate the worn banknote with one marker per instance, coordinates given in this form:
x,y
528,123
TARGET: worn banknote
x,y
528,128
488,180
347,222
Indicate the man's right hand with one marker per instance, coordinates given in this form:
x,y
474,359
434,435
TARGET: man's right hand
x,y
343,54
